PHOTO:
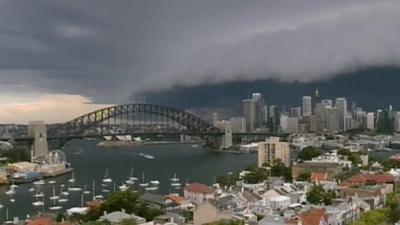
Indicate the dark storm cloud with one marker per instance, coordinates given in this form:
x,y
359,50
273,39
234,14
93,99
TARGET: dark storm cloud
x,y
110,49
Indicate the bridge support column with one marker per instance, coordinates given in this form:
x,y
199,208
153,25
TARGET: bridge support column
x,y
37,130
225,141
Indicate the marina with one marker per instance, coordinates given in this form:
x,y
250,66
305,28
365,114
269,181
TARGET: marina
x,y
195,164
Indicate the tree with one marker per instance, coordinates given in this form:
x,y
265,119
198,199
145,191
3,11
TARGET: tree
x,y
256,175
306,176
318,195
308,153
280,170
17,154
226,222
128,222
120,200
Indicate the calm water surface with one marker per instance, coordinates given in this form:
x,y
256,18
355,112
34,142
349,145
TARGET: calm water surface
x,y
191,164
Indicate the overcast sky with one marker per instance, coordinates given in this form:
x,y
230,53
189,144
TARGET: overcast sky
x,y
91,53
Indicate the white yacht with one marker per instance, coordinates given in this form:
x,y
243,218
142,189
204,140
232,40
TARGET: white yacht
x,y
155,182
11,191
123,187
38,203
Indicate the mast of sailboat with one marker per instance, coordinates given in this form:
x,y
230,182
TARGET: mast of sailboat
x,y
93,188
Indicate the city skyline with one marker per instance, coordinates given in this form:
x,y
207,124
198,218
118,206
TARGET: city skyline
x,y
69,49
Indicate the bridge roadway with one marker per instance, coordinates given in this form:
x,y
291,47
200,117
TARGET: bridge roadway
x,y
70,137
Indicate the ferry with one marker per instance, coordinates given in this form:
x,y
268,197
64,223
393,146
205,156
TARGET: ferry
x,y
146,156
28,177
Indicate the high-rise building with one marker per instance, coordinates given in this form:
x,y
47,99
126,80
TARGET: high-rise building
x,y
238,124
307,106
371,121
396,121
332,119
273,120
289,124
260,103
341,105
249,113
271,150
214,118
295,112
253,111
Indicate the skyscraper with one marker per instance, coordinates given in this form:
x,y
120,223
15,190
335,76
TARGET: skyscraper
x,y
249,113
341,105
253,111
371,121
307,106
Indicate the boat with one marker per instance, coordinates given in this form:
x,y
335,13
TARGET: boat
x,y
131,177
54,197
123,187
107,179
38,203
27,177
174,179
155,182
52,182
13,186
146,156
153,188
130,182
63,199
11,191
74,189
175,185
105,191
12,200
143,184
39,182
86,191
55,208
98,197
32,189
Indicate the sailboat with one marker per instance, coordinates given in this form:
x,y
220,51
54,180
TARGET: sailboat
x,y
143,184
38,195
107,179
123,187
54,197
11,191
71,186
131,179
62,195
86,190
175,182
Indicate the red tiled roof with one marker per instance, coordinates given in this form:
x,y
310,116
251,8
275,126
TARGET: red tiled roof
x,y
310,217
315,177
199,188
371,178
42,220
176,199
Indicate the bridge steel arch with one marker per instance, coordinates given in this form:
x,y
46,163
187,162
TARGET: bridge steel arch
x,y
79,126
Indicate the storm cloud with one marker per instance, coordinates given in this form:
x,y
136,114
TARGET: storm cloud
x,y
109,50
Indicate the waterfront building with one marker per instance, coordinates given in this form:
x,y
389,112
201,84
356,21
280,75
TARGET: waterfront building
x,y
238,124
341,105
273,149
371,121
307,106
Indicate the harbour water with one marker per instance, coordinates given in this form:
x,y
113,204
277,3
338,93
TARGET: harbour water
x,y
190,163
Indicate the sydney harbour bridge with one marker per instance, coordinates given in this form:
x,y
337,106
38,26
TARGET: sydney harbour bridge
x,y
138,119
